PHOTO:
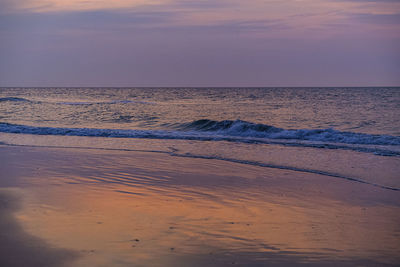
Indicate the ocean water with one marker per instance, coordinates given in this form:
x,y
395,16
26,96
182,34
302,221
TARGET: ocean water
x,y
346,133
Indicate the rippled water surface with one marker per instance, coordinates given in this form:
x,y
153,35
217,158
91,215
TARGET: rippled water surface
x,y
362,110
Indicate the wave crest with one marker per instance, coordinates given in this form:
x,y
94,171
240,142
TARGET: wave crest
x,y
249,129
233,131
237,126
13,99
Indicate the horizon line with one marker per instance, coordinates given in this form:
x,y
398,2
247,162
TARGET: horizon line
x,y
359,86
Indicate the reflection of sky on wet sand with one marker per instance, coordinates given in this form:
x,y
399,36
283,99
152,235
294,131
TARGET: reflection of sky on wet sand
x,y
114,211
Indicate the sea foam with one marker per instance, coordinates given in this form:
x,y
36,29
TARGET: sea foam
x,y
231,131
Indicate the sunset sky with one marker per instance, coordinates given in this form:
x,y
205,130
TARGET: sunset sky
x,y
199,43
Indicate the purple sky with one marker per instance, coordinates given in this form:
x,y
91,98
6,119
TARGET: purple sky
x,y
200,43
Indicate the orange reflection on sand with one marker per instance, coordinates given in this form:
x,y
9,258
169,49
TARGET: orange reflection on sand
x,y
154,228
124,208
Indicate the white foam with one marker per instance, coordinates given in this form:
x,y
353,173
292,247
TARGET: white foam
x,y
324,139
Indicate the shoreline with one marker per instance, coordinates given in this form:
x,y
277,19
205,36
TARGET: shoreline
x,y
181,210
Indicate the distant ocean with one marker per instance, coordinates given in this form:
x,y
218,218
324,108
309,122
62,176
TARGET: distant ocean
x,y
243,125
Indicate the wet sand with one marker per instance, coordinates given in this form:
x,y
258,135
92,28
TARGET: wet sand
x,y
18,248
81,207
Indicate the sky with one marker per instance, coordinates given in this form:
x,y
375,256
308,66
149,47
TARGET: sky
x,y
167,43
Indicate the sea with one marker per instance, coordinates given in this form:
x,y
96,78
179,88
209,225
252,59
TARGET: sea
x,y
340,133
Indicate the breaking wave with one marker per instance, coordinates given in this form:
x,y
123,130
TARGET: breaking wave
x,y
249,129
234,131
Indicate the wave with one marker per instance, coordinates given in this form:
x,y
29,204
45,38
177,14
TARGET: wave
x,y
234,131
13,99
90,132
249,129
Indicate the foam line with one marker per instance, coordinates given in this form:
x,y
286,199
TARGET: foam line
x,y
282,167
173,153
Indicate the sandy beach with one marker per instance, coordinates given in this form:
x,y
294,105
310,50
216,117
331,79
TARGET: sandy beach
x,y
18,248
80,207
